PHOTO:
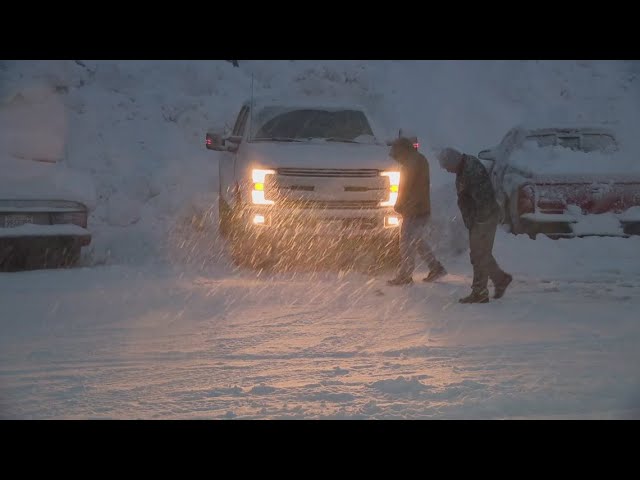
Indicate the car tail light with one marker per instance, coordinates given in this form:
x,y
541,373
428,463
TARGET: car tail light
x,y
526,199
416,145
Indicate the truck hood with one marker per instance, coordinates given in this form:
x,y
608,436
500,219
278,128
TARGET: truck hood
x,y
319,155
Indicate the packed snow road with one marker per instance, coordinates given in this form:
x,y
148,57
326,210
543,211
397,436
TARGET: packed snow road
x,y
160,342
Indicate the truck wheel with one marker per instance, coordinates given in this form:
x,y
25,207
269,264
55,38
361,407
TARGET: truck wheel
x,y
249,253
249,258
224,218
71,254
507,218
516,227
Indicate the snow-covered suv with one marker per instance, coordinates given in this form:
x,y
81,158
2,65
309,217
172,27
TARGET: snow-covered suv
x,y
291,174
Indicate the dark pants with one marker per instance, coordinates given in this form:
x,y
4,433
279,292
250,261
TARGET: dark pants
x,y
412,242
481,238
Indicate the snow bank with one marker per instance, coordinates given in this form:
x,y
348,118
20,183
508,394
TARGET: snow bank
x,y
602,224
33,121
576,259
137,127
24,179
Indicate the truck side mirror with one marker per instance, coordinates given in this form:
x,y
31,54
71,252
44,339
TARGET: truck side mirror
x,y
214,141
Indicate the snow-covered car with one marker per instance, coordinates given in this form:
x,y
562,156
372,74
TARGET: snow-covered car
x,y
293,172
43,214
565,181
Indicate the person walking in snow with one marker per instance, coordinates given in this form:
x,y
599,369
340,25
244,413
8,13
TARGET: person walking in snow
x,y
414,204
481,214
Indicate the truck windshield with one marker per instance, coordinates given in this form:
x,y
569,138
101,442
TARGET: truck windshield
x,y
304,124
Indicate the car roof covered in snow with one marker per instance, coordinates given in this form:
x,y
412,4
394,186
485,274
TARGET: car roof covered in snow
x,y
566,127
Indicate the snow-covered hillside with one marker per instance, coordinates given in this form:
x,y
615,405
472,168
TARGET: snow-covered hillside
x,y
156,323
137,127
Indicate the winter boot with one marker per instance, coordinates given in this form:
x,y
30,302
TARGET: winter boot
x,y
477,296
400,281
502,286
435,274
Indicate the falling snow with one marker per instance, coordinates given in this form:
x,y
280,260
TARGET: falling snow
x,y
157,321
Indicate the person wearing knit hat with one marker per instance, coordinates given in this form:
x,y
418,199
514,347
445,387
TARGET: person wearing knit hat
x,y
480,213
414,204
450,159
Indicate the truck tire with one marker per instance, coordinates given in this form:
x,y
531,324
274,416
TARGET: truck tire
x,y
246,253
507,217
71,255
224,218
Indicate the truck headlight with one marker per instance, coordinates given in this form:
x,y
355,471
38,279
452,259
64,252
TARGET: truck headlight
x,y
394,185
257,193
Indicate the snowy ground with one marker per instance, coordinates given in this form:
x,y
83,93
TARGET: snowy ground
x,y
122,342
157,324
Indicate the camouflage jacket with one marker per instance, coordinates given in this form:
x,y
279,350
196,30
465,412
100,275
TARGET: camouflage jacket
x,y
476,198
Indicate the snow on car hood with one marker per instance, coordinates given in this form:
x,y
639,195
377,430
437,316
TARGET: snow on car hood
x,y
319,154
24,179
560,162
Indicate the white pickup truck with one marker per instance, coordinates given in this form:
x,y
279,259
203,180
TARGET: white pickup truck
x,y
297,173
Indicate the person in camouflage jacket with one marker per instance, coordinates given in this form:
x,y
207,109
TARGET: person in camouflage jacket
x,y
480,214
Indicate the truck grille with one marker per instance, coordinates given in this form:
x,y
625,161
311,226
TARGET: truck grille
x,y
330,204
328,172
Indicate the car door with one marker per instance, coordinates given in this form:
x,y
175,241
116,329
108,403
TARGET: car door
x,y
226,166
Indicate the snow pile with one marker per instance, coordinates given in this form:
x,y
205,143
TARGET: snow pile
x,y
137,127
601,224
632,213
399,386
34,133
24,179
576,260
